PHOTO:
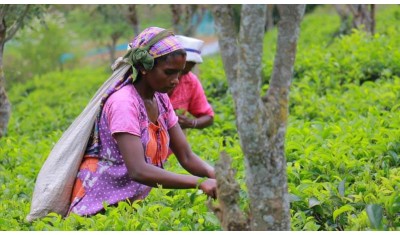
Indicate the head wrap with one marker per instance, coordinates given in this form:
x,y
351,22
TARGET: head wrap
x,y
153,42
192,47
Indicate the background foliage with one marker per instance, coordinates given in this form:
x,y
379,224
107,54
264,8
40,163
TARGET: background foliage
x,y
342,144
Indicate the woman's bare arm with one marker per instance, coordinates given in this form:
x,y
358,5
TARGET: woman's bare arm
x,y
189,160
133,154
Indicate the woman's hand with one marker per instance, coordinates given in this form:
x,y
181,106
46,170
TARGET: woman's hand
x,y
185,122
198,123
209,187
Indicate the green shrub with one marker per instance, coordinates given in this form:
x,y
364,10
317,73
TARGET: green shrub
x,y
328,63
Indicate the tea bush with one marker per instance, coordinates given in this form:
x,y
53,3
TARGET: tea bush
x,y
342,142
329,62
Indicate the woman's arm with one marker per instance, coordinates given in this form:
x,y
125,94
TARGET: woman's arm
x,y
198,123
189,160
132,152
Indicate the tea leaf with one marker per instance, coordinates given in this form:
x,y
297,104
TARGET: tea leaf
x,y
375,212
341,210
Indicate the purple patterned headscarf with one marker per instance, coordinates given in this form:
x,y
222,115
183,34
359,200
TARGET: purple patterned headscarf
x,y
162,47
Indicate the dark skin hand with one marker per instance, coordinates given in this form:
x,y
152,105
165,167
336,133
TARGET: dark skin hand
x,y
132,152
198,123
163,78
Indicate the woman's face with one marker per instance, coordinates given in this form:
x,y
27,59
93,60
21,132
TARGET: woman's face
x,y
164,76
188,67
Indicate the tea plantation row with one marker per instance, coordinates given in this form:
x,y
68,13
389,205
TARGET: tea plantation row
x,y
342,143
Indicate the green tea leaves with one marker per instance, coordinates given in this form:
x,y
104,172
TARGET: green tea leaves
x,y
375,215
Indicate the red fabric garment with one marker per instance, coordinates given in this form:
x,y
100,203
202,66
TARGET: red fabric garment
x,y
189,96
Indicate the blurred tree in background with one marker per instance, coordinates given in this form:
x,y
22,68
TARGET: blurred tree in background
x,y
44,46
104,25
356,16
12,18
133,19
186,18
75,36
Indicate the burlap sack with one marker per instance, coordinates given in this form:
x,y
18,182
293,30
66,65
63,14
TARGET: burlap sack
x,y
56,178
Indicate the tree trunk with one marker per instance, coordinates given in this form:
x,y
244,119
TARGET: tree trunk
x,y
5,106
363,17
269,22
176,12
373,19
182,18
133,19
343,12
111,52
6,33
190,26
261,123
276,200
345,19
111,47
358,16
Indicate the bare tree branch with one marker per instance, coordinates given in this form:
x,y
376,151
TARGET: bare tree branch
x,y
3,9
251,50
225,27
17,24
247,87
289,30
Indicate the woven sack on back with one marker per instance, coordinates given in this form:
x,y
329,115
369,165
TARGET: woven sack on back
x,y
56,178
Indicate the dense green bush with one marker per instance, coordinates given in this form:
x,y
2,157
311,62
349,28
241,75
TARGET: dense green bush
x,y
342,142
330,62
342,152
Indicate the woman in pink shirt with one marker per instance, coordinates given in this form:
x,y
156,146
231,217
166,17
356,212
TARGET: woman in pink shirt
x,y
188,95
134,130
